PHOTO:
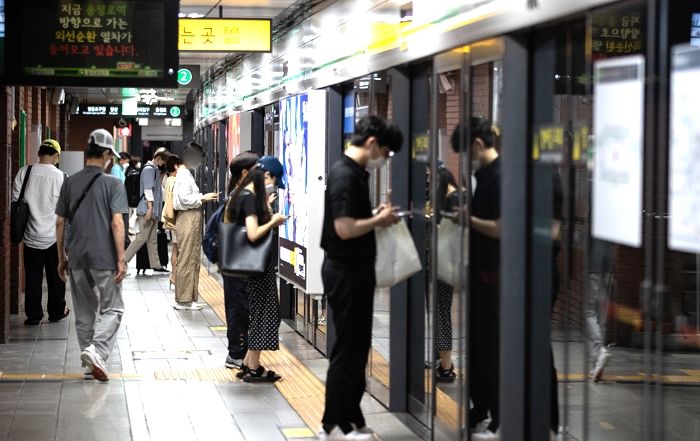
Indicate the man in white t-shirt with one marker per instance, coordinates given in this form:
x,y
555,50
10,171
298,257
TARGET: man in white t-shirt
x,y
40,251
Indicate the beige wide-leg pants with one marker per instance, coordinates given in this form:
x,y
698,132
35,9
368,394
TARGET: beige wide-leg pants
x,y
188,229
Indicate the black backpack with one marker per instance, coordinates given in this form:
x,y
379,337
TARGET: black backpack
x,y
133,186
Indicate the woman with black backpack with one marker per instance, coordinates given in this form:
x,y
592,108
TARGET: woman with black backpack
x,y
249,207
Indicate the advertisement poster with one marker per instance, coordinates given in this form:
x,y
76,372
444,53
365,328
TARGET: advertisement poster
x,y
302,153
294,199
684,177
233,140
618,123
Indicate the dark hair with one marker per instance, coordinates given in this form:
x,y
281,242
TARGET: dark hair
x,y
386,132
257,177
480,128
445,179
124,155
243,161
161,153
47,151
95,152
172,163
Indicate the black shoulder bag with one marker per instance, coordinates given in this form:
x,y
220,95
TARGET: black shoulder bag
x,y
239,257
20,213
82,197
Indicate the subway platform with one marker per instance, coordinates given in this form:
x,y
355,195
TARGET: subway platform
x,y
168,380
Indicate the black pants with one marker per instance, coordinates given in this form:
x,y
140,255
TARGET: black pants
x,y
349,287
35,262
484,348
237,307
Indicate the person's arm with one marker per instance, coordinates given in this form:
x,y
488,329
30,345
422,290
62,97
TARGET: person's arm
x,y
256,232
186,194
149,178
118,236
487,227
349,228
60,243
17,186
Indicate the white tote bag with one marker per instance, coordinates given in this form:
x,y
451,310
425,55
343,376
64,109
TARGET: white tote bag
x,y
397,257
448,246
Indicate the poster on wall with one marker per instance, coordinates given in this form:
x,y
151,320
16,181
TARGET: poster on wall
x,y
302,153
618,122
684,172
233,138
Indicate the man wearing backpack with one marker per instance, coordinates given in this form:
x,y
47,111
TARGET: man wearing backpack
x,y
94,203
149,211
43,186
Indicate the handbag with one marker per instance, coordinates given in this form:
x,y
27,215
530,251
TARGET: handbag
x,y
397,256
449,243
169,214
19,212
239,257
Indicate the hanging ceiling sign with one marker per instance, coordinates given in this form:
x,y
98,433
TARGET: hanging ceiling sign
x,y
116,110
225,35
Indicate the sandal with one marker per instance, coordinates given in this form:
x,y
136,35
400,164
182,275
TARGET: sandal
x,y
66,313
242,372
261,375
445,375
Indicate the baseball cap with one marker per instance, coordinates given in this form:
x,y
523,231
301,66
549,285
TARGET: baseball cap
x,y
52,144
272,165
103,139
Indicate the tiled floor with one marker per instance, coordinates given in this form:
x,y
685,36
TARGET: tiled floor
x,y
135,406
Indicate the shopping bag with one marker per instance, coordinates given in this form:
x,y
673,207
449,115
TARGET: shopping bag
x,y
449,242
397,257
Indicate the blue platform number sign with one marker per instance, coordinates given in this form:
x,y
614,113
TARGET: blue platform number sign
x,y
184,77
175,111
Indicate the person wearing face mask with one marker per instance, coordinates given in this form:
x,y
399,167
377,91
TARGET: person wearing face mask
x,y
43,188
93,256
349,272
187,202
274,180
149,211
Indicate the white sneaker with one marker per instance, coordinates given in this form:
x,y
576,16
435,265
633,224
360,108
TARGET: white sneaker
x,y
92,360
87,373
189,306
338,435
601,362
486,436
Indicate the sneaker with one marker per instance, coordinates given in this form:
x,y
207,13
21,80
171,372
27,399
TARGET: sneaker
x,y
189,306
87,373
486,436
338,435
94,362
233,363
161,270
601,362
481,426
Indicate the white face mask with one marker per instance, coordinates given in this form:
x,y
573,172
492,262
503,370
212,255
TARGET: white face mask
x,y
376,163
271,189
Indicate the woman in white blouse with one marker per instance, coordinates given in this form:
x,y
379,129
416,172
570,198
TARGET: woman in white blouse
x,y
187,201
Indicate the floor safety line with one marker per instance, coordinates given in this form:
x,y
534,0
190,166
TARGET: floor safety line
x,y
299,386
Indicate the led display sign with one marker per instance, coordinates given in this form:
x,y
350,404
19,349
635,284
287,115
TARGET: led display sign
x,y
94,42
225,35
116,110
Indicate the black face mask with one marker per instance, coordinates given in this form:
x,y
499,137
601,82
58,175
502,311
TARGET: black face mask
x,y
161,168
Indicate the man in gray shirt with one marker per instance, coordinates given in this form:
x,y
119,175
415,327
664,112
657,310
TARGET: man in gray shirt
x,y
94,203
149,210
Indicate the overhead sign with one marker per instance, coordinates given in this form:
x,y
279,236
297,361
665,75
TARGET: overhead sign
x,y
188,76
94,42
116,110
618,124
225,35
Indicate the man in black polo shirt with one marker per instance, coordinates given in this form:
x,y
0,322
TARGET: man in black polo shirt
x,y
348,272
484,294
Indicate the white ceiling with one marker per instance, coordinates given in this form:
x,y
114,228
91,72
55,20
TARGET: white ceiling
x,y
232,9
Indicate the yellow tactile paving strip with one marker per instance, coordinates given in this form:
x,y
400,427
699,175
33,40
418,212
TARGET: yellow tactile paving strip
x,y
299,386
